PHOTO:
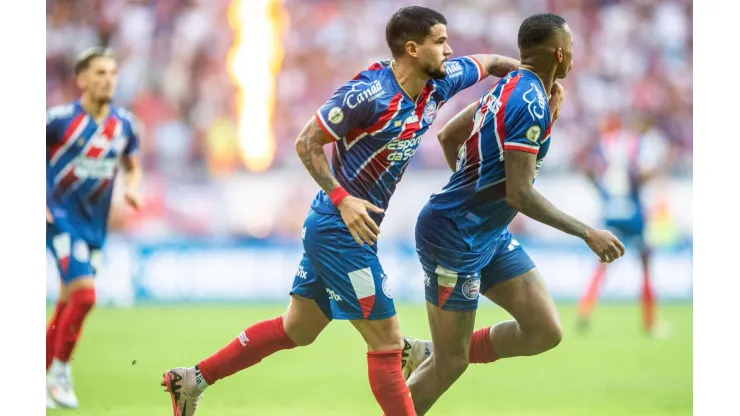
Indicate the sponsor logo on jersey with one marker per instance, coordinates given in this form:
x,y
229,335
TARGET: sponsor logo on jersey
x,y
402,150
454,69
87,167
333,295
535,102
361,92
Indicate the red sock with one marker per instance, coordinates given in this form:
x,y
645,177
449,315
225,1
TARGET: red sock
x,y
588,301
648,300
51,332
387,383
70,322
250,347
481,347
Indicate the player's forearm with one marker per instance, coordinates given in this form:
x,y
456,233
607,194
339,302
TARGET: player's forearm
x,y
455,133
532,204
311,151
497,65
131,174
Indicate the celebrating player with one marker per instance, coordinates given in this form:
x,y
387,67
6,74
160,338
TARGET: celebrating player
x,y
620,165
461,234
375,123
85,140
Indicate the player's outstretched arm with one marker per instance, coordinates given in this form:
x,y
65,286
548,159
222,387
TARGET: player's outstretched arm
x,y
497,65
310,148
455,133
523,197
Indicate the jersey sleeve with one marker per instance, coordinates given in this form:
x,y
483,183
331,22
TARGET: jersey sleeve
x,y
526,125
462,73
352,105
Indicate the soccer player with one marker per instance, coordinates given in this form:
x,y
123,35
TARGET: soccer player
x,y
374,123
620,165
85,141
461,234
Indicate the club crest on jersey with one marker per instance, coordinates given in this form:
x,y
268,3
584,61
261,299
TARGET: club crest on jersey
x,y
533,133
471,288
336,115
430,111
535,102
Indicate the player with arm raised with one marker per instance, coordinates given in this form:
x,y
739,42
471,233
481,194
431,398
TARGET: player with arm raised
x,y
85,141
461,234
374,123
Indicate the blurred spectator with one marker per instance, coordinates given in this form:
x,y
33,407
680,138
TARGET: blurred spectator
x,y
631,56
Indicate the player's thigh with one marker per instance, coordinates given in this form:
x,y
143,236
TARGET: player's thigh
x,y
512,281
76,260
354,280
308,312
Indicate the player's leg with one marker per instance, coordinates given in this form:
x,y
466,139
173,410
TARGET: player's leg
x,y
75,260
587,303
308,313
647,294
358,291
451,307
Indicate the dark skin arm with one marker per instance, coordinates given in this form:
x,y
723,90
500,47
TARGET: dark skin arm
x,y
497,65
310,148
523,197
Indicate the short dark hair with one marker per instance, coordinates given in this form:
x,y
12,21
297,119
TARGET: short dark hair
x,y
90,54
539,28
411,23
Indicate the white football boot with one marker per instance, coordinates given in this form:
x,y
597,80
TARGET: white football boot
x,y
181,383
415,351
60,387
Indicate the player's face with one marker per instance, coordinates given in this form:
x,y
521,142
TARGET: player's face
x,y
434,52
99,79
566,49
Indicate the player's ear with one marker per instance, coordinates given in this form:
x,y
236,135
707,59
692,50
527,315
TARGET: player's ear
x,y
412,48
80,80
559,55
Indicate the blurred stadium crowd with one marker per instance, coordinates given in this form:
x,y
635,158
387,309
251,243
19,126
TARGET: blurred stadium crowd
x,y
633,58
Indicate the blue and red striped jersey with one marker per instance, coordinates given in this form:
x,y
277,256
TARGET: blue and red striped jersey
x,y
514,114
378,127
82,159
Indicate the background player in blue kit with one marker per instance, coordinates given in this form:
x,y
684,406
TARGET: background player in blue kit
x,y
375,123
619,164
461,234
85,141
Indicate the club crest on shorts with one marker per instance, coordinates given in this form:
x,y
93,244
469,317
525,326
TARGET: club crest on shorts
x,y
81,252
386,287
430,112
471,288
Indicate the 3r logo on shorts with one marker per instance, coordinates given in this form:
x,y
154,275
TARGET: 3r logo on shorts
x,y
333,295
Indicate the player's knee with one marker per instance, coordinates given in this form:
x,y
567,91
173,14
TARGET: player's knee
x,y
549,337
451,366
84,298
302,339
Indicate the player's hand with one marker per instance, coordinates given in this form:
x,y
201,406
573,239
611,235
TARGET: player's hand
x,y
557,94
133,199
605,245
49,217
355,214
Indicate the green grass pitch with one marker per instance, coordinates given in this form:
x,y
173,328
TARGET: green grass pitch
x,y
613,370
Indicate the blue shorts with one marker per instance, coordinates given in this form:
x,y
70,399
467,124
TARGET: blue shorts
x,y
458,290
74,257
344,278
